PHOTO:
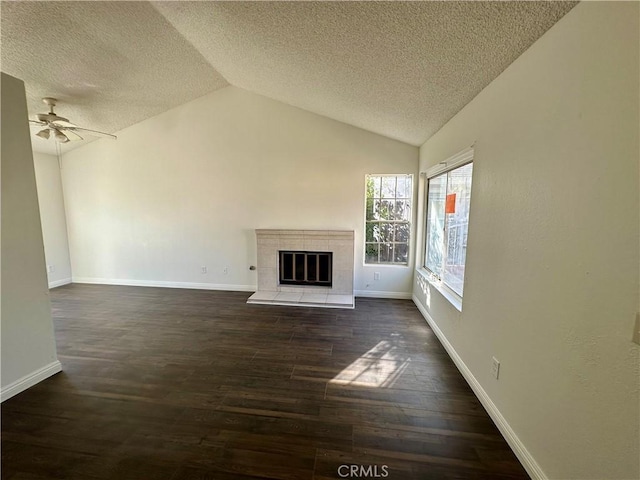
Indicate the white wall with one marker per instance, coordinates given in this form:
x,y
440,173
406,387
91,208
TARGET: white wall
x,y
28,346
52,215
187,189
552,286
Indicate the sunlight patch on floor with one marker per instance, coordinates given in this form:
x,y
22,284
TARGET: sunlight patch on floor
x,y
379,367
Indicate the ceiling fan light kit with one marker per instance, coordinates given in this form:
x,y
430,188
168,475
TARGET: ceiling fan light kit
x,y
63,130
61,137
44,133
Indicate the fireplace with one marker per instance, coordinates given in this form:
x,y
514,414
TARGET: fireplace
x,y
305,268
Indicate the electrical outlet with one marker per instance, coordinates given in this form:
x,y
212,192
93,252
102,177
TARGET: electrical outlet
x,y
636,330
376,275
495,367
203,269
225,270
51,268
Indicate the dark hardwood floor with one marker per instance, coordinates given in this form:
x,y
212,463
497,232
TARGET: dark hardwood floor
x,y
184,385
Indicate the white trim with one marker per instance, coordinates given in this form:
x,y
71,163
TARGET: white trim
x,y
59,283
460,158
213,286
29,380
452,297
163,284
527,460
382,294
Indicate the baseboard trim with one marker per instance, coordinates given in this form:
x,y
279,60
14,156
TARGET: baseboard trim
x,y
527,460
163,284
59,283
30,380
383,294
221,286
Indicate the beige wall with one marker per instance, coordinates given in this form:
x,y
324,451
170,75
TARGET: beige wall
x,y
28,346
52,215
187,189
552,286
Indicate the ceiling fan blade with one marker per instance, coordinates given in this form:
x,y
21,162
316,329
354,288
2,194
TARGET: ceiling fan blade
x,y
63,124
71,135
95,133
36,122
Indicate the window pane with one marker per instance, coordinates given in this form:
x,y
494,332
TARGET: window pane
x,y
371,253
373,232
403,187
402,232
377,208
457,222
435,224
387,232
373,187
370,210
386,253
401,253
402,210
388,187
386,209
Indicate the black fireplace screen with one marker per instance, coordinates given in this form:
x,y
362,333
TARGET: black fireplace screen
x,y
305,268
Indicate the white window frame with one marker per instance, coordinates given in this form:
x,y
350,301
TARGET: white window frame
x,y
409,222
456,161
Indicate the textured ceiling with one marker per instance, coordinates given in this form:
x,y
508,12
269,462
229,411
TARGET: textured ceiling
x,y
110,64
400,69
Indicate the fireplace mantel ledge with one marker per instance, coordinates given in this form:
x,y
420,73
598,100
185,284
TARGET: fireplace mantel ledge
x,y
306,233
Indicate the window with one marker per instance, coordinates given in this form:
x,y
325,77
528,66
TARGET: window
x,y
447,225
388,219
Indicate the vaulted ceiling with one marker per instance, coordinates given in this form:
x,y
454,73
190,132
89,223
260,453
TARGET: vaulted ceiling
x,y
400,69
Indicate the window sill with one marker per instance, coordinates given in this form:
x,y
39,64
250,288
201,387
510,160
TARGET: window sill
x,y
453,298
384,265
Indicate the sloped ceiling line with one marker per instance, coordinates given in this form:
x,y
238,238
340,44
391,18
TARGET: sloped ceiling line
x,y
399,69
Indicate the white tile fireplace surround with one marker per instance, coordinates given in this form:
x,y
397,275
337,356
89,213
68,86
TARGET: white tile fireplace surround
x,y
270,291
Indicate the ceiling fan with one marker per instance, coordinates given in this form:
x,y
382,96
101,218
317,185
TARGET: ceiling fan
x,y
61,128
